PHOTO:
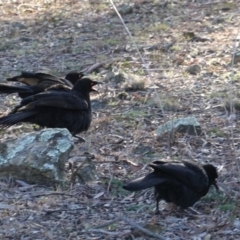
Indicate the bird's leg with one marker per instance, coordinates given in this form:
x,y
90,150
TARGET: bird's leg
x,y
157,207
80,140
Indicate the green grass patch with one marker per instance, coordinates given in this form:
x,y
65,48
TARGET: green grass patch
x,y
135,114
219,94
136,208
216,132
227,207
113,41
234,102
159,27
112,103
221,202
116,188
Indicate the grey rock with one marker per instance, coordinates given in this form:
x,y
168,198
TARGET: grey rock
x,y
18,25
25,39
38,157
218,20
188,125
143,149
134,84
236,57
125,9
193,69
115,77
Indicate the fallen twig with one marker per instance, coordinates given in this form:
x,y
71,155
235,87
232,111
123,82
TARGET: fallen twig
x,y
144,230
52,193
130,222
103,231
108,223
63,210
95,66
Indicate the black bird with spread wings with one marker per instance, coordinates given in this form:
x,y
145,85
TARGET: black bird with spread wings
x,y
56,108
38,82
180,182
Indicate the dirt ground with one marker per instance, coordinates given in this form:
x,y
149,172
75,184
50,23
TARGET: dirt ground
x,y
61,36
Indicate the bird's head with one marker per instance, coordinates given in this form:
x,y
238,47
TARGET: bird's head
x,y
212,175
86,85
73,77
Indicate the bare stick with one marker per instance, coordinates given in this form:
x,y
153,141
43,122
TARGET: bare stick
x,y
231,104
144,230
140,55
52,193
130,222
63,210
96,66
108,223
104,231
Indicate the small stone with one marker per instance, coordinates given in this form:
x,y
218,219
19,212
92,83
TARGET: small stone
x,y
123,95
188,125
194,69
218,20
115,77
236,223
125,9
143,149
18,25
25,39
236,57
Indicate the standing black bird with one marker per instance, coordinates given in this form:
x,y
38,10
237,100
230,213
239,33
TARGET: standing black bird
x,y
38,82
56,108
180,182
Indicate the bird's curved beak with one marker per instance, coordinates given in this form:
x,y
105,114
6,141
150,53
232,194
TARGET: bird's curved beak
x,y
81,75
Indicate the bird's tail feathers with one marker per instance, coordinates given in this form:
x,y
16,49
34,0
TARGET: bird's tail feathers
x,y
23,75
148,181
6,89
14,118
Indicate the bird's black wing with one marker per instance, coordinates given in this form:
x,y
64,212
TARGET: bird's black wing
x,y
47,76
59,87
57,99
65,82
32,79
186,172
148,181
28,78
